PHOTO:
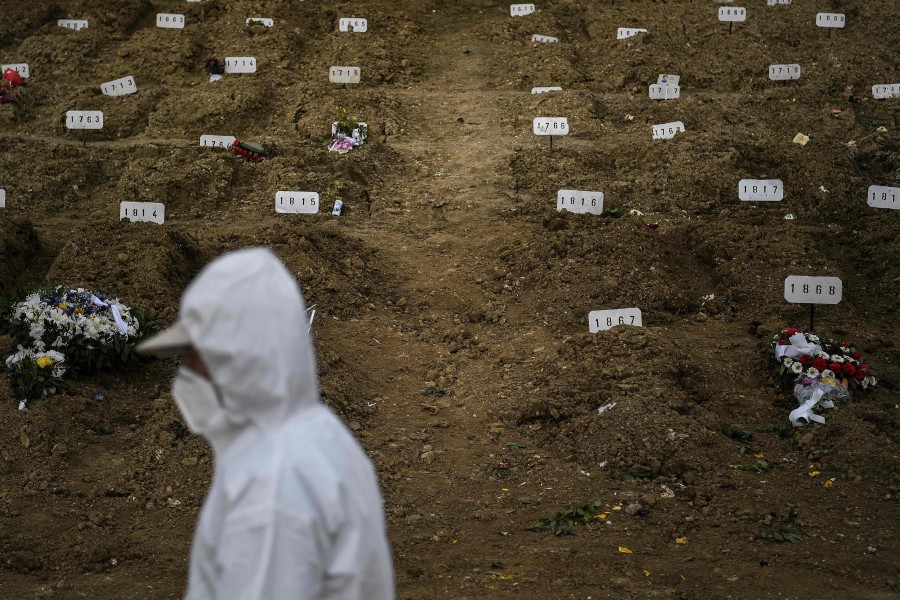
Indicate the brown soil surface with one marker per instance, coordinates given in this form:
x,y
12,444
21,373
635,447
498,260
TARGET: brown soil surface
x,y
453,298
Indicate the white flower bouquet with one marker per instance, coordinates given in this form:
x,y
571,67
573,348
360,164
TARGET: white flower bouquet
x,y
59,331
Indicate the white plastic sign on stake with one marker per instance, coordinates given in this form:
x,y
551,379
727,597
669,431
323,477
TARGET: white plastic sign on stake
x,y
801,289
261,21
580,202
774,2
544,39
831,20
627,32
343,74
297,202
119,87
2,198
660,91
170,21
761,190
84,119
20,68
550,126
732,14
75,24
520,10
601,320
667,131
217,141
353,24
666,79
147,212
544,90
879,92
784,72
240,64
882,196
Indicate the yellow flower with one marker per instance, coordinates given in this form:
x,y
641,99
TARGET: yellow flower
x,y
79,311
62,305
44,362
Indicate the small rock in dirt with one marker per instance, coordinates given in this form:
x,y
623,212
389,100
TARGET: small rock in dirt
x,y
649,499
634,509
190,461
412,519
427,457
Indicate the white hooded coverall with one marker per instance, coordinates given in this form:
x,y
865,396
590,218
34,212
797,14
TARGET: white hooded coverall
x,y
294,510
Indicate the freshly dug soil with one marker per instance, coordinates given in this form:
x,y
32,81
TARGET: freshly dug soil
x,y
452,297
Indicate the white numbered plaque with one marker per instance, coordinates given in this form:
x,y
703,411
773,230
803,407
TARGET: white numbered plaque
x,y
353,24
659,91
544,90
84,119
882,196
261,21
343,74
879,92
148,212
2,198
240,64
544,39
119,87
20,68
733,14
667,131
800,289
627,32
550,126
297,202
601,320
761,190
784,72
830,20
75,24
774,2
216,141
170,21
520,10
580,202
666,79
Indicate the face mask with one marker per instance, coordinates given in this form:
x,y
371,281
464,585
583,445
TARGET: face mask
x,y
199,401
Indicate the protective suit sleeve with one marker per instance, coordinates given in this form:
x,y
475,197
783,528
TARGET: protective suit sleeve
x,y
268,554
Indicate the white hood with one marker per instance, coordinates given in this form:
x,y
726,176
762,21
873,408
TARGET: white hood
x,y
246,317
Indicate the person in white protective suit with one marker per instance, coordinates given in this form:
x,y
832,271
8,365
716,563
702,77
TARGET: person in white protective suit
x,y
294,511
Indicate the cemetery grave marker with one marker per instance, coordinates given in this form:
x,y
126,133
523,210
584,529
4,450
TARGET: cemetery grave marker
x,y
882,196
143,212
601,320
76,24
551,126
119,87
354,25
169,21
801,289
667,131
344,75
580,202
240,64
761,190
296,202
20,68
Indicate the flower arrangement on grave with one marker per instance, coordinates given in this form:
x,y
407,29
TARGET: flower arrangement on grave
x,y
60,331
347,133
10,80
822,371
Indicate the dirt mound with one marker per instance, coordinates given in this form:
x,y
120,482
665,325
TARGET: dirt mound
x,y
660,424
